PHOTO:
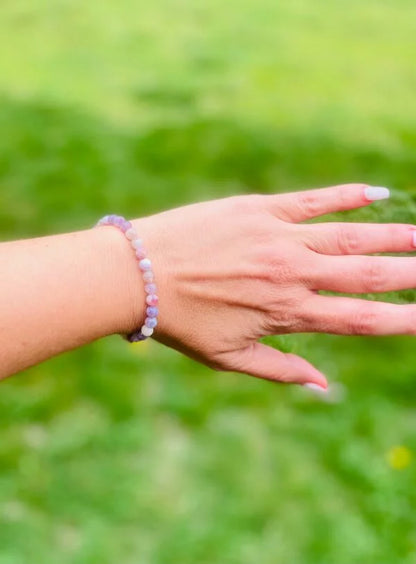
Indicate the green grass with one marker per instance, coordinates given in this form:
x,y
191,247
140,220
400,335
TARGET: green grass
x,y
136,454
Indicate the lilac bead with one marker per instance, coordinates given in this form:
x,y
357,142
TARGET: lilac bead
x,y
103,220
148,276
152,300
145,264
152,311
140,254
150,289
125,225
118,221
151,322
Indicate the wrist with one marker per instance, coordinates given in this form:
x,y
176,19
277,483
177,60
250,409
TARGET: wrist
x,y
124,288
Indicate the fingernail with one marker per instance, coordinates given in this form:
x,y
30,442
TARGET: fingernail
x,y
414,238
376,193
315,387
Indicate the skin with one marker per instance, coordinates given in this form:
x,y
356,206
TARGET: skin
x,y
228,272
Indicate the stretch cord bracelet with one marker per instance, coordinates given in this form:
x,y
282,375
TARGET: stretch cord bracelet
x,y
145,266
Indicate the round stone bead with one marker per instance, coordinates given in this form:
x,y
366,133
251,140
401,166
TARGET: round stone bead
x,y
125,225
152,300
150,289
148,276
140,254
145,264
152,311
118,221
103,220
151,322
136,337
137,243
147,331
131,234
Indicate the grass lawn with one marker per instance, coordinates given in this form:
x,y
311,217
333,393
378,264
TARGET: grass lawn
x,y
133,453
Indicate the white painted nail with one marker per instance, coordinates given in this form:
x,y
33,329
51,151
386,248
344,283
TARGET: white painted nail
x,y
334,393
376,193
414,238
315,387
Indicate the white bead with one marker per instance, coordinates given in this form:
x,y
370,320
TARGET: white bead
x,y
136,243
145,264
146,331
131,234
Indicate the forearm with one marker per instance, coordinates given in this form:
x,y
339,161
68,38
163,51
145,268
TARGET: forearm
x,y
62,291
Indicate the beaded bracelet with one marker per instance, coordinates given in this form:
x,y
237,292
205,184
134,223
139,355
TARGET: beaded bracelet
x,y
145,266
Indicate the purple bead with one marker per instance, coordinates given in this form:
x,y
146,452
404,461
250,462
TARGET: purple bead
x,y
124,225
151,322
112,218
150,289
119,223
152,300
135,337
152,311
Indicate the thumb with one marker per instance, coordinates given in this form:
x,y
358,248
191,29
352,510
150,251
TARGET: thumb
x,y
265,362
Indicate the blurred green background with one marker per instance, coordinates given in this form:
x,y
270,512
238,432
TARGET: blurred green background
x,y
133,453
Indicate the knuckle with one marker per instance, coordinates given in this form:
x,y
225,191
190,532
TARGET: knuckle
x,y
285,315
275,267
363,322
279,322
309,203
373,276
348,240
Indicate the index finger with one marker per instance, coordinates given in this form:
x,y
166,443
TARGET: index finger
x,y
307,204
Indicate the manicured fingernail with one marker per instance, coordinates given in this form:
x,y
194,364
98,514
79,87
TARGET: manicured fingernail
x,y
414,238
376,193
315,387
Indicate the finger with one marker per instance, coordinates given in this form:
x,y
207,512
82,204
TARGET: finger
x,y
359,238
354,316
299,206
265,362
362,274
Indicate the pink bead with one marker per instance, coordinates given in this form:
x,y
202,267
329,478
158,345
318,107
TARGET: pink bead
x,y
148,276
140,254
131,234
150,289
152,300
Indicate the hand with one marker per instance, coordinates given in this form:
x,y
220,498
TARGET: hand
x,y
232,270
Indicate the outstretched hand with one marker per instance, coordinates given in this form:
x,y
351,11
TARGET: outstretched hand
x,y
233,270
